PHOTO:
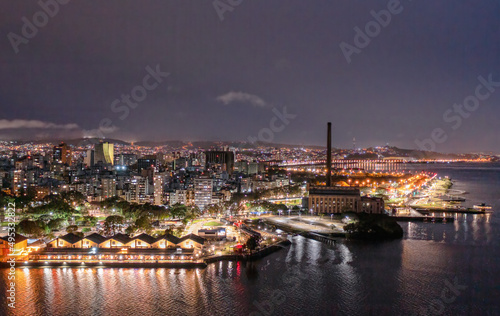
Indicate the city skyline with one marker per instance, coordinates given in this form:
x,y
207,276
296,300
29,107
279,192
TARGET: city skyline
x,y
225,75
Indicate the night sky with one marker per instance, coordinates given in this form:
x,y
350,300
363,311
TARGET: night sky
x,y
227,71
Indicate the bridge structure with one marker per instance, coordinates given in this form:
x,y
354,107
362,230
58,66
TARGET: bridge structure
x,y
336,162
368,165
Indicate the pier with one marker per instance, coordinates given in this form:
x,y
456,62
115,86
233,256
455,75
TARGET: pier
x,y
415,215
461,210
322,238
441,219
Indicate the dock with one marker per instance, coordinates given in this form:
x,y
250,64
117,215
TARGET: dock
x,y
322,238
423,218
416,216
105,264
461,210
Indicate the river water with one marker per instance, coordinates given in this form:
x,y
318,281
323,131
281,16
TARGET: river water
x,y
437,269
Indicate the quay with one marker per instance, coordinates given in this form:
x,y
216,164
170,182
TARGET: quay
x,y
250,257
308,229
107,264
442,219
145,262
414,215
452,210
322,238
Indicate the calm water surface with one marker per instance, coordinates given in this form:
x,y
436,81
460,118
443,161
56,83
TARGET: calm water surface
x,y
413,276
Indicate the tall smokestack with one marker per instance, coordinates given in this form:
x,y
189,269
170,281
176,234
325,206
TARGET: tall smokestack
x,y
329,156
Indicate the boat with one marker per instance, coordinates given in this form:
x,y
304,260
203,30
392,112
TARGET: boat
x,y
453,199
482,206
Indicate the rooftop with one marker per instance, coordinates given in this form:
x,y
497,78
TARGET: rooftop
x,y
18,238
193,237
96,238
146,238
336,190
71,238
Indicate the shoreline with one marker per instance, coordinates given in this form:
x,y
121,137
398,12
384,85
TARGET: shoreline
x,y
294,230
132,265
170,265
440,198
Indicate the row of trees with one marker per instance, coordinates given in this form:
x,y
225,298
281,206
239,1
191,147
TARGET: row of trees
x,y
290,190
134,211
113,224
55,212
233,208
140,217
41,229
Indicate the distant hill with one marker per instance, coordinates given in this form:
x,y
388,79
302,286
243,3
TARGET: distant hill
x,y
367,153
389,151
218,144
171,143
93,141
73,142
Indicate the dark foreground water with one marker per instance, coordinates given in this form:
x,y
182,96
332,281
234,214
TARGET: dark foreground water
x,y
437,269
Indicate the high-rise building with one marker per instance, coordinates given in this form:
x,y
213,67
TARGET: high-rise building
x,y
220,160
256,168
158,189
145,163
185,197
62,154
39,160
17,182
126,159
138,189
108,187
203,188
57,154
89,159
104,153
241,166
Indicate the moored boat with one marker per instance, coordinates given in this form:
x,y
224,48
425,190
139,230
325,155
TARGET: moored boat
x,y
482,206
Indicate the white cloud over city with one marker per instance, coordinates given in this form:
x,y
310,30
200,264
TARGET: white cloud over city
x,y
29,124
241,97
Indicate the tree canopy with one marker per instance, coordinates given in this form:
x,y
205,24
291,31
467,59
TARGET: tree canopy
x,y
374,226
113,224
253,242
30,228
